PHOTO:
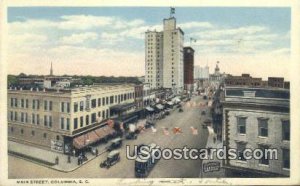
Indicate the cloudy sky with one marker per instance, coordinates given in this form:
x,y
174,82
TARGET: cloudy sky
x,y
110,41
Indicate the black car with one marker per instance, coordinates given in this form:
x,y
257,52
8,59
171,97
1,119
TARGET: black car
x,y
131,135
116,143
112,158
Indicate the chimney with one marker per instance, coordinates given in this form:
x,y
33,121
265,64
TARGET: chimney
x,y
10,88
15,88
57,90
44,90
31,89
21,88
37,89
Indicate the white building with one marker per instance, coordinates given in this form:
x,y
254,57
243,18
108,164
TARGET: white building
x,y
201,72
164,57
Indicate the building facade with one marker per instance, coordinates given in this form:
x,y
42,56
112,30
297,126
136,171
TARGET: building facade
x,y
164,57
188,68
257,118
52,119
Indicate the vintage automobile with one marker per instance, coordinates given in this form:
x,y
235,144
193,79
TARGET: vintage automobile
x,y
112,158
131,135
115,143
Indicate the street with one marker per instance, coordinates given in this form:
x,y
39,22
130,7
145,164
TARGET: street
x,y
190,116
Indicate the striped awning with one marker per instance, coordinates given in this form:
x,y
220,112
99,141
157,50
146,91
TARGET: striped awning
x,y
88,138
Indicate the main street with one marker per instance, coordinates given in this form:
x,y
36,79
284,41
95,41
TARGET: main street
x,y
18,168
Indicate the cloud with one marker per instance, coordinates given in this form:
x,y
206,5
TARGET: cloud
x,y
78,38
194,24
78,43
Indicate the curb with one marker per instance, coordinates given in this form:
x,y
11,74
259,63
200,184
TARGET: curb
x,y
57,169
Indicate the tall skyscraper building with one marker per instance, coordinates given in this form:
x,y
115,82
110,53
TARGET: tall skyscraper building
x,y
154,59
164,57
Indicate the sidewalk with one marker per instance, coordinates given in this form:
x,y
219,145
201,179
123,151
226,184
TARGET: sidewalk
x,y
47,158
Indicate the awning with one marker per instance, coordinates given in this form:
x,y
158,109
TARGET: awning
x,y
159,106
150,109
86,139
122,107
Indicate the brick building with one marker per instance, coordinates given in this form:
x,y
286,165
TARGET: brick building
x,y
188,66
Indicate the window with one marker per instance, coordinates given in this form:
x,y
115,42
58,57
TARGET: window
x,y
50,105
103,114
22,131
93,118
33,104
37,119
22,117
33,118
241,125
50,121
81,121
38,104
75,123
45,135
263,127
240,149
103,101
106,100
22,103
68,123
45,121
32,133
62,107
11,116
81,105
68,107
99,102
94,103
11,102
16,102
286,158
26,103
62,123
75,107
26,117
87,120
45,105
11,129
57,137
107,113
264,160
111,101
285,130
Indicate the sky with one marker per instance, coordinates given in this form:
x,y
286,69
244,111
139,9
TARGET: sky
x,y
110,40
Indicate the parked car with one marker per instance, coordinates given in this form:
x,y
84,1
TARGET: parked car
x,y
131,135
180,110
116,143
112,158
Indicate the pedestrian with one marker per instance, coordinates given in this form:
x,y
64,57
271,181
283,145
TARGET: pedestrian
x,y
74,152
69,158
56,160
97,152
78,160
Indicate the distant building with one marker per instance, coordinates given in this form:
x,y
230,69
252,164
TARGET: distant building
x,y
164,57
66,119
257,118
201,73
217,77
188,59
249,81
